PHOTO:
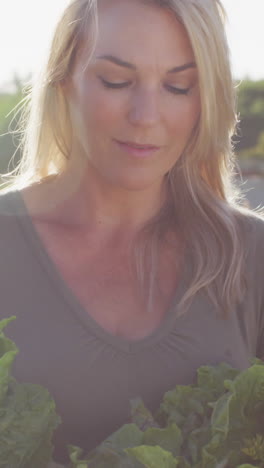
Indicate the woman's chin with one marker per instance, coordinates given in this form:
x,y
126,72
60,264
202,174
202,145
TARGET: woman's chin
x,y
138,184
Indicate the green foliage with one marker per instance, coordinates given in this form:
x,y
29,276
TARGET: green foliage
x,y
218,422
27,416
10,112
256,152
251,98
8,102
8,142
153,457
254,448
251,114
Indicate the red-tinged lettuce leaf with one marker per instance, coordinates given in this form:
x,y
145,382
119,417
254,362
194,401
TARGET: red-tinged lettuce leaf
x,y
153,457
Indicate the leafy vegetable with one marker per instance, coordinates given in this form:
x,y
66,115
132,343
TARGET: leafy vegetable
x,y
153,457
27,415
216,423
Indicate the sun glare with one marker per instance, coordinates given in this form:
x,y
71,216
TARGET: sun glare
x,y
25,36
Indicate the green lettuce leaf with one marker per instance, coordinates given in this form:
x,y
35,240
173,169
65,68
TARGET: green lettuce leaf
x,y
153,457
169,438
141,416
27,415
8,352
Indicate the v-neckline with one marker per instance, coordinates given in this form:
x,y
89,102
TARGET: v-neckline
x,y
119,343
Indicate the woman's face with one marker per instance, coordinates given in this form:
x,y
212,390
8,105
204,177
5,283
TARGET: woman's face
x,y
134,106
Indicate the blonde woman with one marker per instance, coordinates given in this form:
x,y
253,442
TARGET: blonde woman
x,y
126,254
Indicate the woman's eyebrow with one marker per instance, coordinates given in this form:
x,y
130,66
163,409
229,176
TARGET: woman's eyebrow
x,y
117,61
122,63
183,67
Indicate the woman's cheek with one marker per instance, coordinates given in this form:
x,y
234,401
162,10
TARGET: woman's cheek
x,y
102,107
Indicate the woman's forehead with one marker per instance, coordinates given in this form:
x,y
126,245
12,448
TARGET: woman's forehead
x,y
132,13
135,31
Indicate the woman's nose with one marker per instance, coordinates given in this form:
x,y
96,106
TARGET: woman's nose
x,y
144,109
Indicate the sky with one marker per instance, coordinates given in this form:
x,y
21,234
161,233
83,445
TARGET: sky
x,y
26,28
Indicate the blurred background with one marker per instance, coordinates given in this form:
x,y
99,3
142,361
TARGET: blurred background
x,y
25,33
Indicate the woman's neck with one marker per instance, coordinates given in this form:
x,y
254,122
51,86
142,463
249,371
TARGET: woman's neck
x,y
79,198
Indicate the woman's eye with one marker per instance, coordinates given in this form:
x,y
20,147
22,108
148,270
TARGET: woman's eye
x,y
124,84
108,84
174,90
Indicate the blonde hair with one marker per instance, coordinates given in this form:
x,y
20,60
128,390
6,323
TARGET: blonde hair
x,y
205,203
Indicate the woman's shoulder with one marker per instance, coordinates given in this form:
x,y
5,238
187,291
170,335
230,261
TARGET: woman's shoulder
x,y
6,198
8,208
252,234
251,223
12,215
10,205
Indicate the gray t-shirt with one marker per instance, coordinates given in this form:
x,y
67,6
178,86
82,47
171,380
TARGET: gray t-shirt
x,y
92,374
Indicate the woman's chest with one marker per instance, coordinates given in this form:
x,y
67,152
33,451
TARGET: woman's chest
x,y
105,285
111,375
110,295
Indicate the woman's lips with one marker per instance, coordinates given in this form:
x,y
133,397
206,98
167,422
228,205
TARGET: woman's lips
x,y
138,150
